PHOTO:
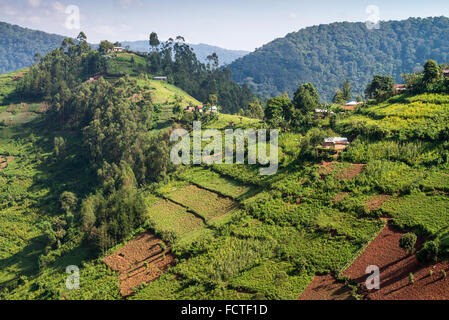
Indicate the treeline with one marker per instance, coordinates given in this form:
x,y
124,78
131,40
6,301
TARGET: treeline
x,y
114,120
176,60
327,54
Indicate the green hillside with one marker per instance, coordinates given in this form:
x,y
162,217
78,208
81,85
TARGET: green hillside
x,y
88,182
326,55
19,45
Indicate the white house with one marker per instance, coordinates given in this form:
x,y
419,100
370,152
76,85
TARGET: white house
x,y
339,143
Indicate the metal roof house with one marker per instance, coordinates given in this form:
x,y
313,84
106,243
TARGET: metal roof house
x,y
339,143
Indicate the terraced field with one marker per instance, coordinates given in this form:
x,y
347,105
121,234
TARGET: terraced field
x,y
171,217
208,205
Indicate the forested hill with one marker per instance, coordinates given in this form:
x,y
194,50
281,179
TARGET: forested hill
x,y
328,54
202,51
19,45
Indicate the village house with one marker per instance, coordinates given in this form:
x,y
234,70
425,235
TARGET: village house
x,y
400,88
200,109
116,49
161,78
351,106
214,109
190,109
338,143
446,73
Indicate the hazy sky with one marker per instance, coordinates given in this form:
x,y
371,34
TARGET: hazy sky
x,y
232,24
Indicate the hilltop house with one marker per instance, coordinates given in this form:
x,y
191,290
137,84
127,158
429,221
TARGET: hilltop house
x,y
115,49
161,78
350,106
338,143
400,88
446,73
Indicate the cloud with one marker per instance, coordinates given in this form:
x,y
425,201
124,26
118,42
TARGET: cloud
x,y
128,3
34,3
58,7
7,9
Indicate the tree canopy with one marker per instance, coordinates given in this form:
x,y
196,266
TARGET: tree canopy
x,y
328,54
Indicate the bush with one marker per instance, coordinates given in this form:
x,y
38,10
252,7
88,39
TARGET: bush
x,y
429,253
407,242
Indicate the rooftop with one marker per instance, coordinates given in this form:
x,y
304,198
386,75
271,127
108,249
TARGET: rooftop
x,y
336,140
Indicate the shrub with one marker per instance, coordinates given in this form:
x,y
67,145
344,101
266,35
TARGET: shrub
x,y
429,253
407,242
411,278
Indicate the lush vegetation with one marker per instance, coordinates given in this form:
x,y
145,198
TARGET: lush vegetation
x,y
328,54
18,46
91,171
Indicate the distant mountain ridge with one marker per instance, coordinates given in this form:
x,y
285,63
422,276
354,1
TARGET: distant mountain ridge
x,y
328,54
18,46
201,50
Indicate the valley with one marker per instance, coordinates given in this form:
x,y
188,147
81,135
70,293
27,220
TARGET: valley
x,y
86,180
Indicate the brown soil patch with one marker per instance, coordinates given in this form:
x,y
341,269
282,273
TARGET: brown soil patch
x,y
326,288
377,201
4,161
339,197
43,108
19,75
141,260
395,267
327,167
353,171
348,174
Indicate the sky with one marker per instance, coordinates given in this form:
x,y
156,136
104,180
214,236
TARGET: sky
x,y
230,24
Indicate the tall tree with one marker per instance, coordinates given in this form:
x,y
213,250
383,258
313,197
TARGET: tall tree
x,y
306,98
154,41
105,46
278,109
347,90
338,97
380,88
431,71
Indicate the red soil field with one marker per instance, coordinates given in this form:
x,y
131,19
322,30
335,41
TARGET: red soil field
x,y
326,288
348,174
141,260
395,266
353,171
